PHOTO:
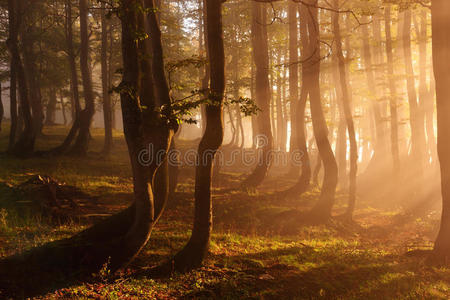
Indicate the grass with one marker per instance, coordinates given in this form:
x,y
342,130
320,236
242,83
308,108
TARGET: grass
x,y
260,247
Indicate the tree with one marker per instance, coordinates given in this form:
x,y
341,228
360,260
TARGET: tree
x,y
107,111
147,121
25,144
393,91
298,123
81,144
416,114
322,210
192,255
2,111
440,19
76,108
262,94
346,102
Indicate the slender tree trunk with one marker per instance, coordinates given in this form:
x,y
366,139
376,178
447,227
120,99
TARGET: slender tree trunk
x,y
71,57
426,105
33,80
204,74
293,79
341,140
346,103
2,110
416,115
440,16
262,94
81,144
393,96
12,97
299,131
63,108
322,210
107,112
377,162
25,144
193,253
279,110
77,114
111,72
51,108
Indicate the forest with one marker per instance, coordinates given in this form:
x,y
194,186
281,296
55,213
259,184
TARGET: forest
x,y
224,149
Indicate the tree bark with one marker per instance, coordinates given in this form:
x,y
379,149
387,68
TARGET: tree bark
x,y
440,19
2,110
299,129
322,210
63,108
416,116
293,79
107,111
192,255
51,108
392,88
81,145
12,96
262,94
25,144
346,103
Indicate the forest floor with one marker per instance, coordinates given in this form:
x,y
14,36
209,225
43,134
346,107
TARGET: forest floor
x,y
260,247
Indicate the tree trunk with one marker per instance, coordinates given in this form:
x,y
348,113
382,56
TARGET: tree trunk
x,y
416,115
2,111
341,140
107,112
204,74
63,108
299,129
193,253
12,96
279,110
440,15
33,79
293,80
322,210
262,94
51,108
25,144
393,96
346,103
81,144
426,105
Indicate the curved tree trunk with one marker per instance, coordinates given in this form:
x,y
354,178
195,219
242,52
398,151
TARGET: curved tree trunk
x,y
77,113
299,129
114,242
322,209
81,144
262,95
346,103
192,255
